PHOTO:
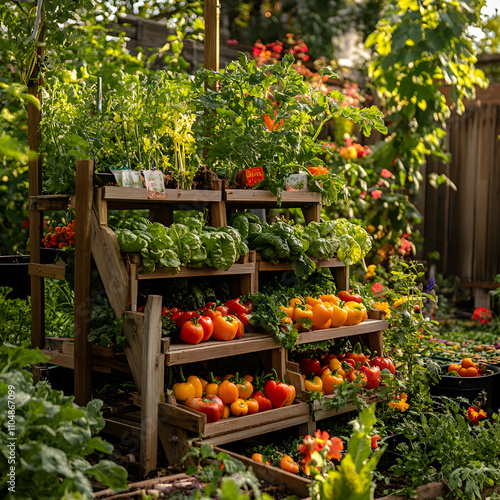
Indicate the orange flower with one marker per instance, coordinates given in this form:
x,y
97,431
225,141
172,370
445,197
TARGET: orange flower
x,y
474,415
321,441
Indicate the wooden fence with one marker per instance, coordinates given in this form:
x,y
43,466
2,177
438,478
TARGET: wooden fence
x,y
464,225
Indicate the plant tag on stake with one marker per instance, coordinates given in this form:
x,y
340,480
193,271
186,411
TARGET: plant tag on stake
x,y
132,178
254,175
119,176
296,182
155,184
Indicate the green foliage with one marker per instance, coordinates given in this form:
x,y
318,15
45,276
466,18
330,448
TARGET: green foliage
x,y
248,96
15,324
406,325
445,446
52,436
222,476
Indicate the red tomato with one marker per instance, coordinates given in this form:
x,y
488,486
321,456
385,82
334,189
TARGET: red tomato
x,y
191,331
223,310
185,316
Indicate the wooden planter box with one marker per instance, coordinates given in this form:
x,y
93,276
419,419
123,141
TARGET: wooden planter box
x,y
233,428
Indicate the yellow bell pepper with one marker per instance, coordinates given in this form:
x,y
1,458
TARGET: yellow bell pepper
x,y
314,385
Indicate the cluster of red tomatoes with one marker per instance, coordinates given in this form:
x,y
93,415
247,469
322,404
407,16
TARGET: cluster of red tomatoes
x,y
212,321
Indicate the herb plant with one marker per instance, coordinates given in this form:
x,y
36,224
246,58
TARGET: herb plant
x,y
270,117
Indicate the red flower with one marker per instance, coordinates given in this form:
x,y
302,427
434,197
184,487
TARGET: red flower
x,y
385,173
376,194
374,443
377,289
230,41
474,415
482,314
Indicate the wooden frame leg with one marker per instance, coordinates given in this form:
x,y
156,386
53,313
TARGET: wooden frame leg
x,y
152,371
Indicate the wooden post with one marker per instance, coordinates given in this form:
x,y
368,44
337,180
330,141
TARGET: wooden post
x,y
152,371
212,34
83,217
35,216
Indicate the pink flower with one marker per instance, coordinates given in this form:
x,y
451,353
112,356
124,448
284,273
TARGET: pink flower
x,y
363,194
230,41
482,314
385,173
377,289
376,194
405,246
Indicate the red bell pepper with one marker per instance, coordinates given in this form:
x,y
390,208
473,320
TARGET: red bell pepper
x,y
223,310
277,392
309,366
349,297
263,400
357,355
383,363
244,318
372,376
248,307
235,307
211,405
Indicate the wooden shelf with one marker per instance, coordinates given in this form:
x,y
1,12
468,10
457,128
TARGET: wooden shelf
x,y
52,202
288,266
103,364
235,428
52,271
121,194
262,198
185,272
178,354
368,326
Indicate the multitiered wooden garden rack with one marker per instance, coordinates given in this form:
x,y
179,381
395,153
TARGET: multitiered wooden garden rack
x,y
147,353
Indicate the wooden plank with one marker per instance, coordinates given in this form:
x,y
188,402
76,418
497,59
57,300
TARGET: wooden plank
x,y
117,427
35,217
212,34
129,195
109,262
277,418
368,326
152,372
181,416
59,359
133,330
429,491
240,434
179,354
52,271
312,213
52,202
261,196
141,485
175,443
186,272
83,211
288,266
293,483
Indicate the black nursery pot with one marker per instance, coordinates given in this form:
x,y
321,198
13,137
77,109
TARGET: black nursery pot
x,y
14,274
470,387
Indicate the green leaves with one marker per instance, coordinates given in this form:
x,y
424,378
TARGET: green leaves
x,y
53,436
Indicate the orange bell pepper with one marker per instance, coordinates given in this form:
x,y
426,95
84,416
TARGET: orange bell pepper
x,y
321,316
330,380
228,392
